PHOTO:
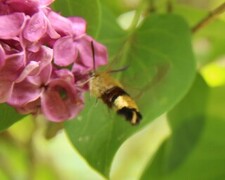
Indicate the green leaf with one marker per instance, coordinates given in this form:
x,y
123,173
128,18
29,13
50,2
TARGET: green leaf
x,y
190,125
187,121
162,67
217,102
87,9
118,7
8,116
162,53
110,34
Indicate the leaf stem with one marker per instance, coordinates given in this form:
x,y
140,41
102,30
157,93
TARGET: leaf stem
x,y
211,16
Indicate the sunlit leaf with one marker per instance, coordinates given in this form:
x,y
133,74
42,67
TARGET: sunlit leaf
x,y
217,102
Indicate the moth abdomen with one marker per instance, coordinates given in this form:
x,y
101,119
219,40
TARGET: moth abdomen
x,y
110,95
121,101
130,114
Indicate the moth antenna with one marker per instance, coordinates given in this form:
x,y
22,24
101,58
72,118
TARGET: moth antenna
x,y
120,69
93,54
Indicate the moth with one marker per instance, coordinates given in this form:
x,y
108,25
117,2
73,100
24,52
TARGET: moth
x,y
103,86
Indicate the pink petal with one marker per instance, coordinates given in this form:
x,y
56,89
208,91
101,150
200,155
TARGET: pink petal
x,y
4,9
5,90
13,67
43,77
2,57
26,6
64,51
29,108
12,46
36,27
43,56
52,32
27,70
45,3
65,74
85,59
61,24
45,74
81,70
61,102
9,72
23,93
10,25
78,25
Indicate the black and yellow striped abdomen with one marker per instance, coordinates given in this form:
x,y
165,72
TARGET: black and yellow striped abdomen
x,y
117,98
112,93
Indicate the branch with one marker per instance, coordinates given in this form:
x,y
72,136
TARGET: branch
x,y
211,16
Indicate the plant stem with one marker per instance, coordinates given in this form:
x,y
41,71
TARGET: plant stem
x,y
211,16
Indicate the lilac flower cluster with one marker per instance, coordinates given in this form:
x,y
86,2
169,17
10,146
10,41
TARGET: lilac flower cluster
x,y
43,55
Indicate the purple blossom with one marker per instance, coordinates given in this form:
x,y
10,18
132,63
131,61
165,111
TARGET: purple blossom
x,y
42,57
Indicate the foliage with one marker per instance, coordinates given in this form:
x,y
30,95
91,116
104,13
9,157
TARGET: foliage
x,y
168,75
